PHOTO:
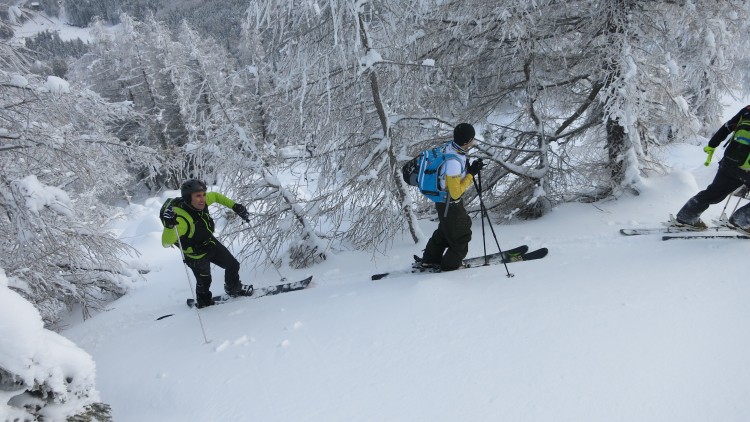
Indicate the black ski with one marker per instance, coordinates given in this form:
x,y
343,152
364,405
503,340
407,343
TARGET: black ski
x,y
262,291
509,256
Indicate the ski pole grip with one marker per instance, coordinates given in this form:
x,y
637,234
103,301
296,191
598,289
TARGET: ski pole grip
x,y
710,151
708,159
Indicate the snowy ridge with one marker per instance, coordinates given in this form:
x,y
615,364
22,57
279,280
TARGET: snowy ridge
x,y
605,328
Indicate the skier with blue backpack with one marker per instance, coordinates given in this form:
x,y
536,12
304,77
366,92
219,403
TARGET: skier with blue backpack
x,y
447,168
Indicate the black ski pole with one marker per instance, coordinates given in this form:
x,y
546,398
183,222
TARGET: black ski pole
x,y
478,186
481,207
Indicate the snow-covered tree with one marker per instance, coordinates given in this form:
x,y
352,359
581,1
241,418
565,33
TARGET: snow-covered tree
x,y
59,169
83,12
575,93
202,73
571,99
362,101
128,64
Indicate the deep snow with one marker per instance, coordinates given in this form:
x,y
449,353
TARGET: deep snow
x,y
605,328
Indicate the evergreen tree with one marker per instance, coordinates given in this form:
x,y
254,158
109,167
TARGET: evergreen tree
x,y
129,65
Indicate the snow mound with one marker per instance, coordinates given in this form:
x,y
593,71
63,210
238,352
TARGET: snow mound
x,y
39,369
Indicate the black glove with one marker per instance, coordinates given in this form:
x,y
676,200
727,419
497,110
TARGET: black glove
x,y
475,167
169,218
241,211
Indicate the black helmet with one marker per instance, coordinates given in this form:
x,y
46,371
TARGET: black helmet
x,y
189,187
463,133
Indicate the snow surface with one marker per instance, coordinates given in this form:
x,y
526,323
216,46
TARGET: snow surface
x,y
606,327
40,22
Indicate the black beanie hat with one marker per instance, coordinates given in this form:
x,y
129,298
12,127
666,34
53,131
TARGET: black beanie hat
x,y
463,133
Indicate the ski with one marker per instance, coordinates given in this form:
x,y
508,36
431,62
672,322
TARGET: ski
x,y
660,230
526,256
262,291
510,253
509,256
671,232
670,227
506,254
673,226
707,236
724,223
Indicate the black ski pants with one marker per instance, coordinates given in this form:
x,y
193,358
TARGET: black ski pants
x,y
726,181
449,244
220,256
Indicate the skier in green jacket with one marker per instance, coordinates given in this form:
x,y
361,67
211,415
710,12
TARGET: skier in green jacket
x,y
189,214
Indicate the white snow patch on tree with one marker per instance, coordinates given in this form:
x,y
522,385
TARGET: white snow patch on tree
x,y
57,85
38,196
682,104
674,69
369,60
538,193
415,36
18,81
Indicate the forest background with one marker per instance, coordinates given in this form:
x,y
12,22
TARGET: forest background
x,y
571,100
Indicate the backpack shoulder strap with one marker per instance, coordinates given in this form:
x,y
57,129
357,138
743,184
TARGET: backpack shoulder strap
x,y
454,156
742,130
744,114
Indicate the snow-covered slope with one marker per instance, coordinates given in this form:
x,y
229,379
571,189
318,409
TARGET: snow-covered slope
x,y
605,328
39,22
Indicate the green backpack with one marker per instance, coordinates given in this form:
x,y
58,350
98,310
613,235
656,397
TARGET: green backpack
x,y
738,148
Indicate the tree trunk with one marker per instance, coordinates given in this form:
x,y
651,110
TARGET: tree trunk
x,y
616,146
400,192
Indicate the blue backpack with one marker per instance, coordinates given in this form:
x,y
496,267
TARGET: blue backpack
x,y
423,171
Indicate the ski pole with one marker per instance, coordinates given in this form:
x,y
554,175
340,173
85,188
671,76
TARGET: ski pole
x,y
739,197
478,186
729,198
723,215
481,208
192,292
